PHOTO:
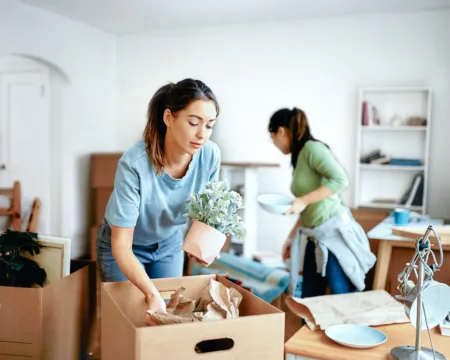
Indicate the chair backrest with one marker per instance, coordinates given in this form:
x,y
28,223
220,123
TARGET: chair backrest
x,y
15,209
34,216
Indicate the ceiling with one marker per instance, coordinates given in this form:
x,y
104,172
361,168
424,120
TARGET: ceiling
x,y
123,17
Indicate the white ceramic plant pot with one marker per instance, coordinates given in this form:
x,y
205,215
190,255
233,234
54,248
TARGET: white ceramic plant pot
x,y
204,242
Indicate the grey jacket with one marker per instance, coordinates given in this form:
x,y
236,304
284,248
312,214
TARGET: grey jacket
x,y
345,238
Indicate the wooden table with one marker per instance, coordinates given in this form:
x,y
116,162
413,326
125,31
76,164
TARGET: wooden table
x,y
384,232
417,231
307,344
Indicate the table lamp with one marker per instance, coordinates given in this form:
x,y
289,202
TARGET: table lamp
x,y
426,303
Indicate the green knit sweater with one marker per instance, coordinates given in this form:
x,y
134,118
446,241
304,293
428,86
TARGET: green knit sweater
x,y
317,166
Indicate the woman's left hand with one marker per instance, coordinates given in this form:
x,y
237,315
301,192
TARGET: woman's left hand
x,y
297,206
200,261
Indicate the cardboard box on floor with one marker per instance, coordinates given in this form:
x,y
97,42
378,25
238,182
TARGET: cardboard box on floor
x,y
49,323
257,334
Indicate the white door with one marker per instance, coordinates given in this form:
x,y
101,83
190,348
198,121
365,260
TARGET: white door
x,y
25,137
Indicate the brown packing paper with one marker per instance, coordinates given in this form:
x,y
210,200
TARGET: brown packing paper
x,y
217,302
369,308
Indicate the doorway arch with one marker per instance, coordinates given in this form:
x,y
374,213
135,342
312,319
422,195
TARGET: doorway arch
x,y
54,81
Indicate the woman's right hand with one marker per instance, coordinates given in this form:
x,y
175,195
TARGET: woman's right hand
x,y
156,303
121,243
286,251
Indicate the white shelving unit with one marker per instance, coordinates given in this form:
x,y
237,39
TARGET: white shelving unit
x,y
382,186
391,167
244,178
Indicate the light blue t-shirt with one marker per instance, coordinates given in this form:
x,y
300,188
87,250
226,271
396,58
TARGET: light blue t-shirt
x,y
154,204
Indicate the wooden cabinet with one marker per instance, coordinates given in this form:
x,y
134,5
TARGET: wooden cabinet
x,y
368,219
103,171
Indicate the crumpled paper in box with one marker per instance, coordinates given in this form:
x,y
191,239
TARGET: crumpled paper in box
x,y
217,302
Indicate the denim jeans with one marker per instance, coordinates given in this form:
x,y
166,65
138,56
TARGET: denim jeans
x,y
161,260
314,284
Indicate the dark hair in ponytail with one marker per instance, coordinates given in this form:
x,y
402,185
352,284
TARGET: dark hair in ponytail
x,y
174,97
296,122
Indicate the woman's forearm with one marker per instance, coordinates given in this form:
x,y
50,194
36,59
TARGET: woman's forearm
x,y
321,193
121,240
295,227
135,272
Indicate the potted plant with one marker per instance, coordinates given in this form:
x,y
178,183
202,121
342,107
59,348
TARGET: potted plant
x,y
15,269
214,215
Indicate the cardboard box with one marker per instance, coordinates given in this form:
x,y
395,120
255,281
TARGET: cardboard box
x,y
102,196
93,242
257,334
103,169
49,323
92,337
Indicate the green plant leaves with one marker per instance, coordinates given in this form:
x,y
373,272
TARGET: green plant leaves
x,y
217,207
15,269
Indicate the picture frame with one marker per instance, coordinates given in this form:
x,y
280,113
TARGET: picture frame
x,y
54,257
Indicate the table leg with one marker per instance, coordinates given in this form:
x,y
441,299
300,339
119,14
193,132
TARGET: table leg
x,y
382,267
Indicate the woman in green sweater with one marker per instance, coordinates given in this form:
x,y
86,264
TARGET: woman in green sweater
x,y
336,251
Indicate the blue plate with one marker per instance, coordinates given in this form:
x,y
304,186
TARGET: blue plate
x,y
275,203
356,336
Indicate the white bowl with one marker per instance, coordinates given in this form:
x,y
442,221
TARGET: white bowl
x,y
275,203
356,336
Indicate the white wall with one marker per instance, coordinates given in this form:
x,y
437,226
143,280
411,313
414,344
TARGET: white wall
x,y
88,123
317,65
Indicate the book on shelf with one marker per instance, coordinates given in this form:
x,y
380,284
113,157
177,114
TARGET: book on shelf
x,y
414,195
373,155
384,160
406,162
377,157
370,115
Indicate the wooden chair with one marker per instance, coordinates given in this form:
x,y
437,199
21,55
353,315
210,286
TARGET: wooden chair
x,y
34,216
15,209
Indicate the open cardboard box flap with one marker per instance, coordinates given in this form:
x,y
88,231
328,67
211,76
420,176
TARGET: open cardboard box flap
x,y
46,323
52,322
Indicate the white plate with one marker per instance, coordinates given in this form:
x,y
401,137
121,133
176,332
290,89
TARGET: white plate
x,y
275,203
356,336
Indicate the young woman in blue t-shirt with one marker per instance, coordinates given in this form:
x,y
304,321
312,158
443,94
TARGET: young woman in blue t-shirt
x,y
141,236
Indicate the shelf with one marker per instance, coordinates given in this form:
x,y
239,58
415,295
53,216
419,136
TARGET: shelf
x,y
374,128
395,89
390,206
391,167
402,139
249,164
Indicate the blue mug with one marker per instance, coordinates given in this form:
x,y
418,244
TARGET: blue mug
x,y
401,217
